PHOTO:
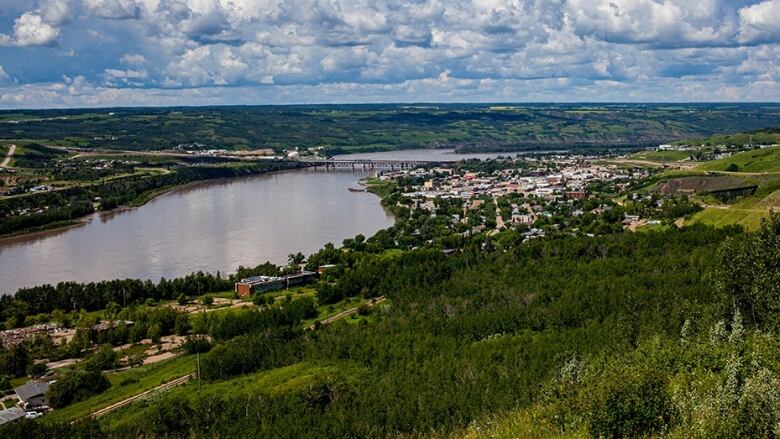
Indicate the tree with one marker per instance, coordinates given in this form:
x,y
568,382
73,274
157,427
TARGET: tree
x,y
296,258
182,299
14,363
748,274
76,386
154,333
105,358
182,325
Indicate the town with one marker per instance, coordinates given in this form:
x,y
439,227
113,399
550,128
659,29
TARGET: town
x,y
540,195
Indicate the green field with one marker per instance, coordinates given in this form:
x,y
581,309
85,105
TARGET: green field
x,y
136,380
756,161
660,156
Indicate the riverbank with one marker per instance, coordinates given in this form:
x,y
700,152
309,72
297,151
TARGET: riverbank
x,y
200,174
209,226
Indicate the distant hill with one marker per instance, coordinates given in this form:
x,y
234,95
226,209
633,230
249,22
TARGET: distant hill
x,y
355,128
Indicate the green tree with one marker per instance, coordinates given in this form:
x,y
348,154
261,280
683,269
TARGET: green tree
x,y
748,274
76,386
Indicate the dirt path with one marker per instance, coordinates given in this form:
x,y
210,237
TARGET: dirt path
x,y
125,402
8,156
633,226
346,313
680,223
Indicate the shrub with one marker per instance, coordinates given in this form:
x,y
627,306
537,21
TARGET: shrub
x,y
76,386
103,359
194,345
629,402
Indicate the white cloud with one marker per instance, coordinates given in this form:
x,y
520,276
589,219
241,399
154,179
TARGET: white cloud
x,y
55,12
132,59
760,23
4,78
378,48
114,9
30,30
663,23
207,65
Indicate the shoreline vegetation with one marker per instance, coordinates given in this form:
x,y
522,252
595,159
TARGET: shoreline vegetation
x,y
195,175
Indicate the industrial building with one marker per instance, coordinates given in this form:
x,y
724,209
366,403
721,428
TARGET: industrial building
x,y
260,284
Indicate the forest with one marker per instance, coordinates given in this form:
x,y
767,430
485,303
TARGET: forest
x,y
360,128
662,334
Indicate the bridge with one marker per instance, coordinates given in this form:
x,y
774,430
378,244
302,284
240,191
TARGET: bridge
x,y
368,163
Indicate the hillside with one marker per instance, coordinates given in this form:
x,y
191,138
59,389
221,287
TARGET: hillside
x,y
765,160
621,335
353,128
769,136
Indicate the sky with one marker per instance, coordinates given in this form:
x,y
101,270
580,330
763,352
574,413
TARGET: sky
x,y
99,53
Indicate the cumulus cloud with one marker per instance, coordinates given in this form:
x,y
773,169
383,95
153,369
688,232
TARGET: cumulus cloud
x,y
760,23
580,48
55,12
114,9
132,59
30,30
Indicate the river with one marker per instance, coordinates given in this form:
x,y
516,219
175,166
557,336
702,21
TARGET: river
x,y
208,227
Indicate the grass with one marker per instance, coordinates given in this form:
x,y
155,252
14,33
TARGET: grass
x,y
275,381
148,377
660,156
530,423
748,218
755,161
8,403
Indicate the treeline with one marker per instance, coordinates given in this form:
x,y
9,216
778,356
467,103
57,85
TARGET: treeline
x,y
94,296
75,202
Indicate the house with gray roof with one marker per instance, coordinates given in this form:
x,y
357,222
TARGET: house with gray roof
x,y
33,394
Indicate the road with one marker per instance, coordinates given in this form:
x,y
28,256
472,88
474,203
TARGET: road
x,y
8,156
125,402
346,313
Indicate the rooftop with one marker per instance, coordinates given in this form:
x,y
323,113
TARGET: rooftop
x,y
11,414
31,389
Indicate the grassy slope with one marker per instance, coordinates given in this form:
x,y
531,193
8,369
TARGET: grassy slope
x,y
275,381
747,212
756,161
148,377
765,137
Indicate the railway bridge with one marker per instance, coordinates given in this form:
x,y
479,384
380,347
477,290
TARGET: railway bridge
x,y
368,163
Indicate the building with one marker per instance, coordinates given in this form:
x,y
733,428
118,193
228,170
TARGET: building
x,y
576,195
259,284
33,395
303,277
10,415
322,269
